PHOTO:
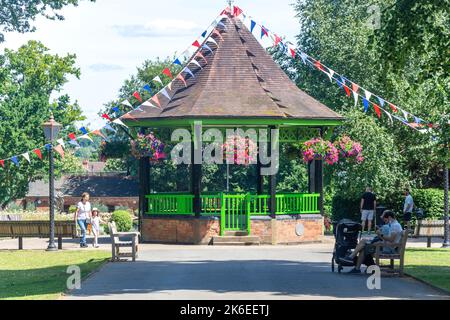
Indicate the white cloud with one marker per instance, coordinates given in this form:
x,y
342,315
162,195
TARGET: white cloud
x,y
158,28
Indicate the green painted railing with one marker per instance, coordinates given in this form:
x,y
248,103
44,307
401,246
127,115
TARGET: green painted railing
x,y
169,204
211,204
234,213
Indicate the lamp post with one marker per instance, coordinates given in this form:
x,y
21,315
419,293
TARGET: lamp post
x,y
51,129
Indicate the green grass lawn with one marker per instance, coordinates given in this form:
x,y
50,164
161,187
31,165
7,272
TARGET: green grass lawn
x,y
430,265
36,274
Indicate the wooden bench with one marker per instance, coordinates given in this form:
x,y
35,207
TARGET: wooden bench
x,y
117,244
399,255
429,229
37,229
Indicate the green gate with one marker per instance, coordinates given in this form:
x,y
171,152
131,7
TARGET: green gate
x,y
235,213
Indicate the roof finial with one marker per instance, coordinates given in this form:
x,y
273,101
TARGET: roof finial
x,y
230,3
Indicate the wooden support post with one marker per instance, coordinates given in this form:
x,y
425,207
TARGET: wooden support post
x,y
59,242
144,185
315,179
272,181
20,243
196,169
259,177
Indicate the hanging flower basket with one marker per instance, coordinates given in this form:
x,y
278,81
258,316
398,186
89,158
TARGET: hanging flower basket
x,y
319,149
147,146
350,149
233,146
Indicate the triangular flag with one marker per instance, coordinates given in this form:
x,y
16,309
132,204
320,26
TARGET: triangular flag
x,y
127,103
83,130
165,93
377,110
116,110
105,116
107,126
355,89
277,40
366,104
405,114
182,79
2,163
220,23
72,136
148,89
204,33
347,90
86,137
38,153
196,63
170,85
217,33
199,54
60,150
48,146
330,74
381,100
264,32
119,122
368,94
189,71
292,52
26,156
148,104
196,44
417,120
304,57
158,79
137,96
253,25
167,72
177,61
15,160
207,47
389,116
61,142
318,65
340,84
237,11
394,108
211,39
155,99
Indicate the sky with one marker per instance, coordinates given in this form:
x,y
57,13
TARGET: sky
x,y
111,38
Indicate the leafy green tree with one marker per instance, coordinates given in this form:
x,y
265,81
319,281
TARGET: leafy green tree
x,y
15,15
28,79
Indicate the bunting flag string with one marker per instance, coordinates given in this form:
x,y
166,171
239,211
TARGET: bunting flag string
x,y
59,148
349,86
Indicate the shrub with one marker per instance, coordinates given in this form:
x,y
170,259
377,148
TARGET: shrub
x,y
72,209
101,207
345,208
431,201
123,220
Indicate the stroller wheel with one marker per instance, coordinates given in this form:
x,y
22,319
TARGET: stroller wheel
x,y
340,268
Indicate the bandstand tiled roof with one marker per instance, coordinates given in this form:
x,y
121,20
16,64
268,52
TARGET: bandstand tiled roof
x,y
240,80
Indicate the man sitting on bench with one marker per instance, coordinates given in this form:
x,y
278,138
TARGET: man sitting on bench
x,y
364,247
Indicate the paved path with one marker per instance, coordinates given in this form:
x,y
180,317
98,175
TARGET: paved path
x,y
266,272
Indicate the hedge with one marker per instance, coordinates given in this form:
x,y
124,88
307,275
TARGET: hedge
x,y
430,200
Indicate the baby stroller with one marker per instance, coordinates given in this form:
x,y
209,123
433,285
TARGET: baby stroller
x,y
346,232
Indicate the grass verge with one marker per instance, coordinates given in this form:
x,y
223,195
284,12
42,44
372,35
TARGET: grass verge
x,y
41,275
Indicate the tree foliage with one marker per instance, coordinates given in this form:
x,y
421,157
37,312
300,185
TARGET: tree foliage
x,y
16,15
28,78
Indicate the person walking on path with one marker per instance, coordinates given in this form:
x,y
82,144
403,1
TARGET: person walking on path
x,y
368,205
408,209
83,216
95,222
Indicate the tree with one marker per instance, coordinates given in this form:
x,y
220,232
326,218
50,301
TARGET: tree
x,y
15,15
338,34
28,78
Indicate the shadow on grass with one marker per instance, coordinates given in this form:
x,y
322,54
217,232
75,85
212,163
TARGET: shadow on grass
x,y
41,283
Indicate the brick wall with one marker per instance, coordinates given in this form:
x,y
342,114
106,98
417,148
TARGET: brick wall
x,y
182,230
191,230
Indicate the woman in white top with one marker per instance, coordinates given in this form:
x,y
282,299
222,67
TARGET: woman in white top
x,y
82,216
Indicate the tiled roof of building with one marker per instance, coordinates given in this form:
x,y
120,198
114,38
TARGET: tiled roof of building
x,y
240,80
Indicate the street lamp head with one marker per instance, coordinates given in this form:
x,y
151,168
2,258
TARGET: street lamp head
x,y
51,129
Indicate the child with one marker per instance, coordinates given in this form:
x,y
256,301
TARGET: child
x,y
95,222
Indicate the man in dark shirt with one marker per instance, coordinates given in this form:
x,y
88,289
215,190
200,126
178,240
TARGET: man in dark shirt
x,y
368,205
